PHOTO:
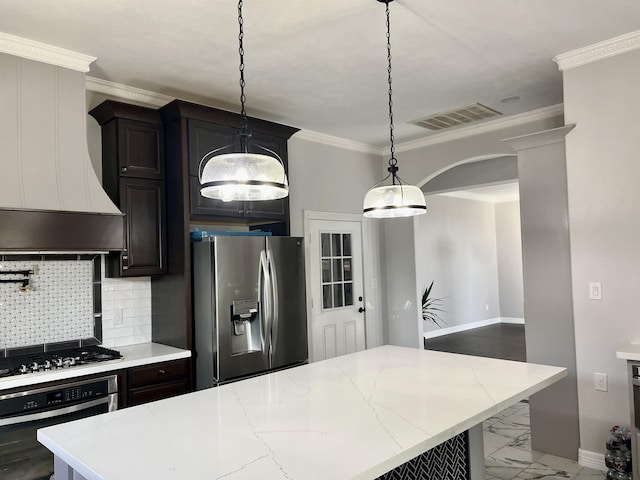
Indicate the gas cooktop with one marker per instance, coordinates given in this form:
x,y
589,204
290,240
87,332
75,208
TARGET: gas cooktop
x,y
41,362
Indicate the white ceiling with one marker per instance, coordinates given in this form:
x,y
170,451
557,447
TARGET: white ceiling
x,y
321,64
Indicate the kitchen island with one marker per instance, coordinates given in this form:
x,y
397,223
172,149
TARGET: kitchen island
x,y
353,417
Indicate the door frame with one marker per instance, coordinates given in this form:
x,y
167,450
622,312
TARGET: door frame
x,y
371,322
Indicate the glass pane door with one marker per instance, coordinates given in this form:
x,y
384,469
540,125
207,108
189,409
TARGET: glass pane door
x,y
336,273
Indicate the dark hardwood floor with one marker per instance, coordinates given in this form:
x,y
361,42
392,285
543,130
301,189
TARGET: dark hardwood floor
x,y
505,341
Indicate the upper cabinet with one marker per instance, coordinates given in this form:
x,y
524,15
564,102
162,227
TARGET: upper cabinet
x,y
133,177
140,149
192,131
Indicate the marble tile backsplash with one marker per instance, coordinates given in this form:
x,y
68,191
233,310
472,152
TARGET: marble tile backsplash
x,y
60,307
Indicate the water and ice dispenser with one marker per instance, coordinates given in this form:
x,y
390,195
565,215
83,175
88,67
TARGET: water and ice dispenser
x,y
245,332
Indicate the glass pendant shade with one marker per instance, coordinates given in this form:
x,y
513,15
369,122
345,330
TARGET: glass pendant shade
x,y
394,201
243,177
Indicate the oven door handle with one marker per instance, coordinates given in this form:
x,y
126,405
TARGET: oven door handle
x,y
110,400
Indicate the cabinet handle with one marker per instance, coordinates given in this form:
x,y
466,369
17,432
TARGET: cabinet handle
x,y
162,372
124,169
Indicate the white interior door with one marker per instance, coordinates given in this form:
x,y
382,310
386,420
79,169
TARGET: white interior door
x,y
336,283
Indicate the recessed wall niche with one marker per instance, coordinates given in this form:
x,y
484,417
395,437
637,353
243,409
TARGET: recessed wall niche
x,y
61,308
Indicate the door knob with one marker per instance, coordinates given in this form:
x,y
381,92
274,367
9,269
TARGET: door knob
x,y
360,310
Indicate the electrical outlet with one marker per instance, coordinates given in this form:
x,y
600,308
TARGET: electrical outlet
x,y
117,319
600,381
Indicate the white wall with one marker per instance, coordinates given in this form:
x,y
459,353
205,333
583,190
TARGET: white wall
x,y
602,99
509,247
455,246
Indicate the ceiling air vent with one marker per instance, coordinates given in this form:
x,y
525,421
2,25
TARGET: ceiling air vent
x,y
461,116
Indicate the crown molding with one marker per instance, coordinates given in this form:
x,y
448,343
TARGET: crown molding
x,y
137,95
598,51
485,127
42,52
338,142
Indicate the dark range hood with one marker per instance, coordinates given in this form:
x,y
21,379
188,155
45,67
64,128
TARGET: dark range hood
x,y
56,231
50,197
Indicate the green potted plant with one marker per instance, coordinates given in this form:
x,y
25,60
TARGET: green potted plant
x,y
431,307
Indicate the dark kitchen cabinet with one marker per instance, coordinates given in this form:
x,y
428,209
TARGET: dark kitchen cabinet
x,y
143,203
133,177
153,382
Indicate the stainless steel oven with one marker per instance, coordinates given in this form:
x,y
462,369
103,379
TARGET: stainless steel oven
x,y
22,413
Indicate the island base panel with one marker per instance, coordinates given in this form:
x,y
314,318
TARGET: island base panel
x,y
447,461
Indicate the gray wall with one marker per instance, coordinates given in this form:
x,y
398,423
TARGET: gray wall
x,y
456,248
548,305
509,248
405,324
602,99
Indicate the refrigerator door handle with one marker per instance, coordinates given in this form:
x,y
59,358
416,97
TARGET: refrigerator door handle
x,y
274,303
263,292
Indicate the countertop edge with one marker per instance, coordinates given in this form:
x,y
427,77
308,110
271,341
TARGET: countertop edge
x,y
629,352
134,356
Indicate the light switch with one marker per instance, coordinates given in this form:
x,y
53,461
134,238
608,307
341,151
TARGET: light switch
x,y
595,291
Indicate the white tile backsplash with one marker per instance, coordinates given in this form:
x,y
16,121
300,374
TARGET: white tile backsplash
x,y
126,310
60,305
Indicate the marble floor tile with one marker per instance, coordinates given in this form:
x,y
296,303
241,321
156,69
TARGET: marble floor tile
x,y
514,457
508,453
493,442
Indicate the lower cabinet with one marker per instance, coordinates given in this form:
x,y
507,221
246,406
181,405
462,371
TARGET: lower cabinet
x,y
157,381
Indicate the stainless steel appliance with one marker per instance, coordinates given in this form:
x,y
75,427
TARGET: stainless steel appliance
x,y
22,413
634,392
249,306
54,360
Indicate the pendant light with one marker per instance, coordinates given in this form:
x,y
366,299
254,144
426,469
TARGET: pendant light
x,y
244,175
398,199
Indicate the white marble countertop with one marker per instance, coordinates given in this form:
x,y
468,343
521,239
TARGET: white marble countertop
x,y
133,356
629,352
351,417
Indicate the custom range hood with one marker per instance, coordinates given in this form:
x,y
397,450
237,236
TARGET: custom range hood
x,y
50,197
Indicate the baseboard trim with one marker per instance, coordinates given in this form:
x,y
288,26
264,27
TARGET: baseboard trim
x,y
461,328
512,320
470,326
593,460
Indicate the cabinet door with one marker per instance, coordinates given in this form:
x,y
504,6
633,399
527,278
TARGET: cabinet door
x,y
140,149
143,204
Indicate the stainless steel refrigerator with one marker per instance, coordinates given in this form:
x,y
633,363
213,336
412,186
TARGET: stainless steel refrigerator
x,y
249,306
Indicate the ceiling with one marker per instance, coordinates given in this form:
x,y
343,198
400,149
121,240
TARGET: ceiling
x,y
320,65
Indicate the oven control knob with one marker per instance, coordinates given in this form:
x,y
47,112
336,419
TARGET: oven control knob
x,y
24,369
34,366
47,365
57,362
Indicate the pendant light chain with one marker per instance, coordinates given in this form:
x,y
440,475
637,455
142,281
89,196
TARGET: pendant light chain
x,y
243,113
392,160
